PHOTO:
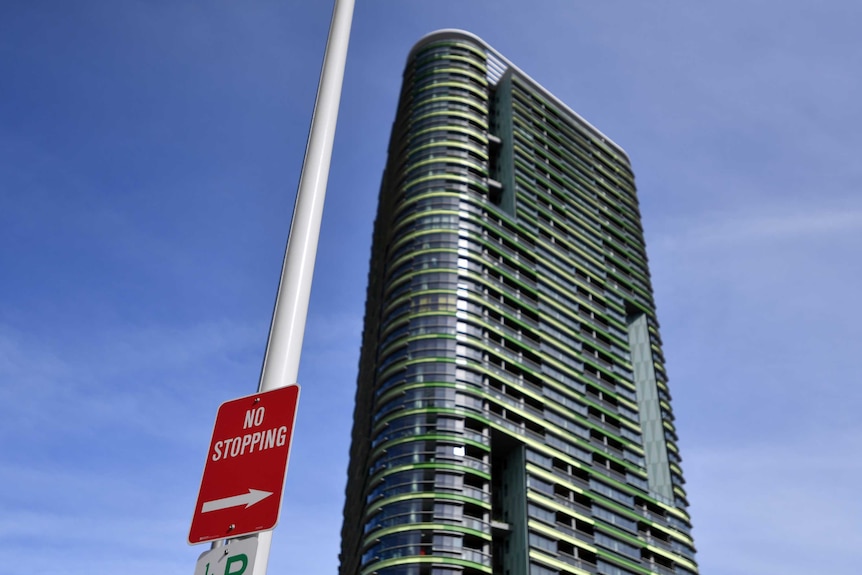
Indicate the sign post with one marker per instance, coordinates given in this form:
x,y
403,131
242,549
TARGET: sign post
x,y
243,477
281,360
283,349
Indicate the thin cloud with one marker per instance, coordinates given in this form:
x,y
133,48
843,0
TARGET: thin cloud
x,y
761,229
99,377
763,519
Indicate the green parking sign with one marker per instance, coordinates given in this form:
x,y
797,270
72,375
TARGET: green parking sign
x,y
235,558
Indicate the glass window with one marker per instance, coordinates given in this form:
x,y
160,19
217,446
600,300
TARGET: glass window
x,y
541,513
617,545
614,518
540,485
543,543
536,569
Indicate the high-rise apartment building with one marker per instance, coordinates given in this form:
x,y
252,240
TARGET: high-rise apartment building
x,y
512,413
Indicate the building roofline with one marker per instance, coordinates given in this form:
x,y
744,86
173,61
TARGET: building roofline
x,y
455,33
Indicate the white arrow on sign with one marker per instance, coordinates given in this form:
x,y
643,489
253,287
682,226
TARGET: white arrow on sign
x,y
248,499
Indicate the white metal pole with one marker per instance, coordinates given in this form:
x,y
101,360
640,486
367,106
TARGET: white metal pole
x,y
281,362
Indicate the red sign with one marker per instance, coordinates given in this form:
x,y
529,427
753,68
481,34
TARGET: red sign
x,y
244,473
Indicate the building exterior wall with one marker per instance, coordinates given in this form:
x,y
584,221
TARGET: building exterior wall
x,y
512,410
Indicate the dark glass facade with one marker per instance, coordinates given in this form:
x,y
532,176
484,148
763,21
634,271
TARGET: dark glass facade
x,y
512,408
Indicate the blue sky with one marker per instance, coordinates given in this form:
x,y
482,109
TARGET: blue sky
x,y
149,157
